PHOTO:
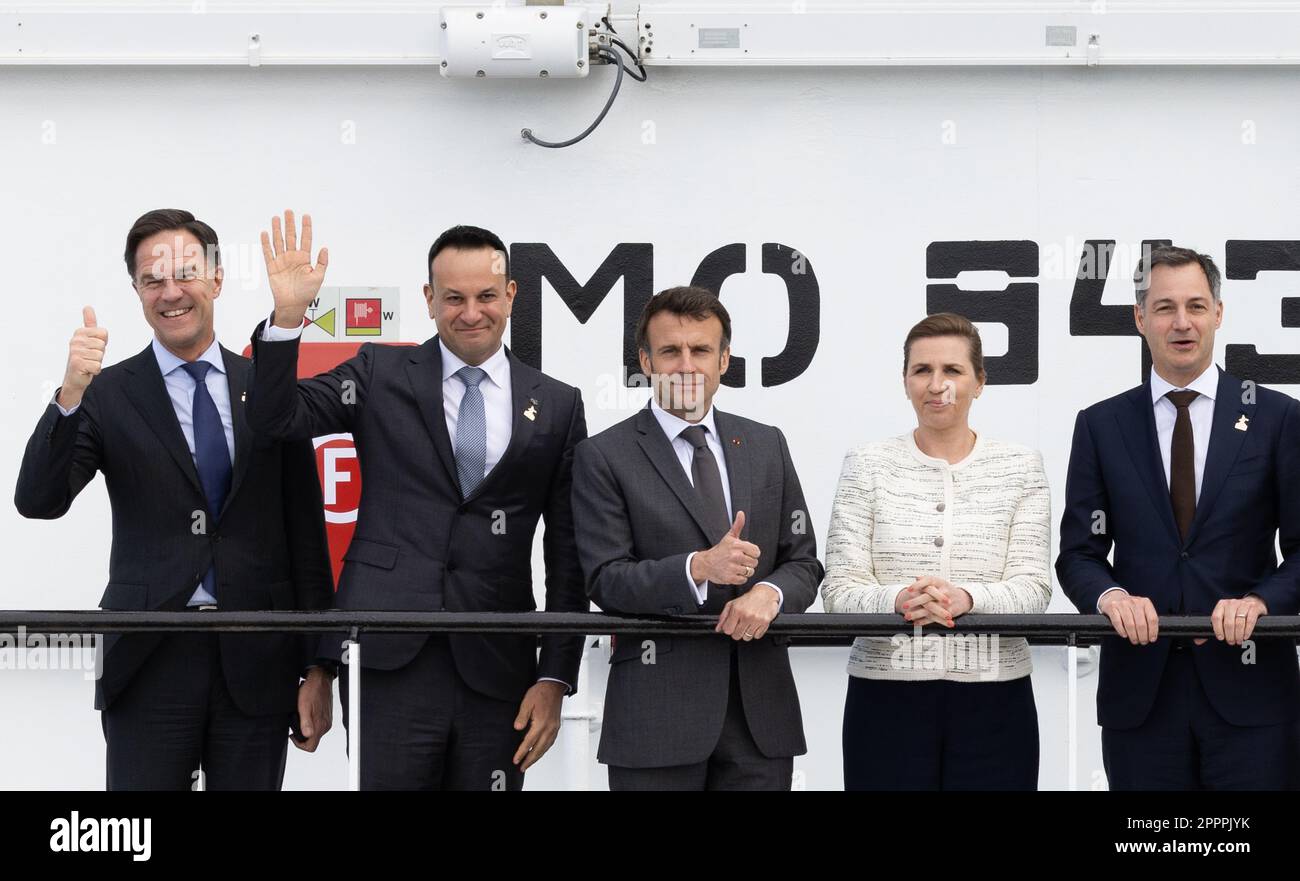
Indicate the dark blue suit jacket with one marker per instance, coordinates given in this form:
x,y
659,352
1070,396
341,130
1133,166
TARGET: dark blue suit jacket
x,y
419,544
1250,491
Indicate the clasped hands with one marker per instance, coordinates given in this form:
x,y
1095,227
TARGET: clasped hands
x,y
932,600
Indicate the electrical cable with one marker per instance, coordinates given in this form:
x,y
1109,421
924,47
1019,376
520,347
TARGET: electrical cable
x,y
527,134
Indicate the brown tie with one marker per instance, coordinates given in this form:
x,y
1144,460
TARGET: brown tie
x,y
1182,463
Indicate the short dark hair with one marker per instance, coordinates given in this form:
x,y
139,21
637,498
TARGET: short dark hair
x,y
166,220
698,303
1172,255
467,237
947,324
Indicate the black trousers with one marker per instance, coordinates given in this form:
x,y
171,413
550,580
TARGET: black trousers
x,y
940,735
734,764
176,716
1184,744
423,728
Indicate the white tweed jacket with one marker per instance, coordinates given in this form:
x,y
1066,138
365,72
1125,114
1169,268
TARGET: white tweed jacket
x,y
983,524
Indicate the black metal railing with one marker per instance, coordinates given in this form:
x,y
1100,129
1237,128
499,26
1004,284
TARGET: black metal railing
x,y
814,628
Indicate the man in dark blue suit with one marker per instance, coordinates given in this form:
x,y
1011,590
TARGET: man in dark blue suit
x,y
1190,476
463,450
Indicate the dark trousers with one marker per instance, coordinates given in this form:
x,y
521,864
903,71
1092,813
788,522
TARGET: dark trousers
x,y
1184,744
423,728
734,764
176,716
940,735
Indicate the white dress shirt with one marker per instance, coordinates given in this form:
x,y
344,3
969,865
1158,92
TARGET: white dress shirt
x,y
1200,411
497,400
673,427
180,388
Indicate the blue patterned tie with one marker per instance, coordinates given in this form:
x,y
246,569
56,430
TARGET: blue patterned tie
x,y
211,453
471,431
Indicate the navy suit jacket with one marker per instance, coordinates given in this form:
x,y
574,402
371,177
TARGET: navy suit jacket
x,y
1250,492
268,546
419,544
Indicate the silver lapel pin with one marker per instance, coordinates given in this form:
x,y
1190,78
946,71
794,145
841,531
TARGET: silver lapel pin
x,y
1243,422
531,413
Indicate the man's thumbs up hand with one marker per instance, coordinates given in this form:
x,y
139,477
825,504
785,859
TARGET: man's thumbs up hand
x,y
85,359
731,561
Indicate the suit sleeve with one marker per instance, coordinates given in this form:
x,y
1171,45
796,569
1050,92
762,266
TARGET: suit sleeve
x,y
1082,565
62,456
304,530
561,654
283,407
617,581
1281,590
797,571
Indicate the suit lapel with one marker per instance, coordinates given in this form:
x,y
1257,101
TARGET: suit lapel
x,y
660,451
148,394
1225,445
739,470
525,386
424,371
1139,432
237,381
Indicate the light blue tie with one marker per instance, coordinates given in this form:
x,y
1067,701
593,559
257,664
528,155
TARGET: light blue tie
x,y
471,431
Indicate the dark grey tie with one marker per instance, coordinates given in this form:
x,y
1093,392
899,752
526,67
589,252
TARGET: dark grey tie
x,y
707,479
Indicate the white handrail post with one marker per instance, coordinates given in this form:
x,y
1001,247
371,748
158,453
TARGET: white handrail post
x,y
352,652
1072,716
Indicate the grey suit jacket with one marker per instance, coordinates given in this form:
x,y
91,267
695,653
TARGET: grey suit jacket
x,y
637,517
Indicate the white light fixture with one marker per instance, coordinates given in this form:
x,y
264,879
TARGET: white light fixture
x,y
514,41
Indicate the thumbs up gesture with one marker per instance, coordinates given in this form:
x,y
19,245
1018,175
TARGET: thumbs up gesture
x,y
731,561
85,359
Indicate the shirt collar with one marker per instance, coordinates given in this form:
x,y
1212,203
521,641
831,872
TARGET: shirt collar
x,y
1207,384
674,425
497,366
169,361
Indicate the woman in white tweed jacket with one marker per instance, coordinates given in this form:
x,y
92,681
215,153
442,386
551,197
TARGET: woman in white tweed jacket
x,y
931,525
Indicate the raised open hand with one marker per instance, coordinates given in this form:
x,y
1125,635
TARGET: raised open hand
x,y
294,281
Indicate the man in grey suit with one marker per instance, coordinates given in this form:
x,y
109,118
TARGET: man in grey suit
x,y
683,509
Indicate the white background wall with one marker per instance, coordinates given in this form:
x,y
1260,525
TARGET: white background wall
x,y
848,165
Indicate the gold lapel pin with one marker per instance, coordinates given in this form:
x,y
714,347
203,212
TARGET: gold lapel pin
x,y
1243,422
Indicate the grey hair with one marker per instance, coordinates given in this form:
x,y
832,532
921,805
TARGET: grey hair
x,y
1172,255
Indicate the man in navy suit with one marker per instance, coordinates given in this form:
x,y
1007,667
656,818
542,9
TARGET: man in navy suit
x,y
1190,476
204,516
463,450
